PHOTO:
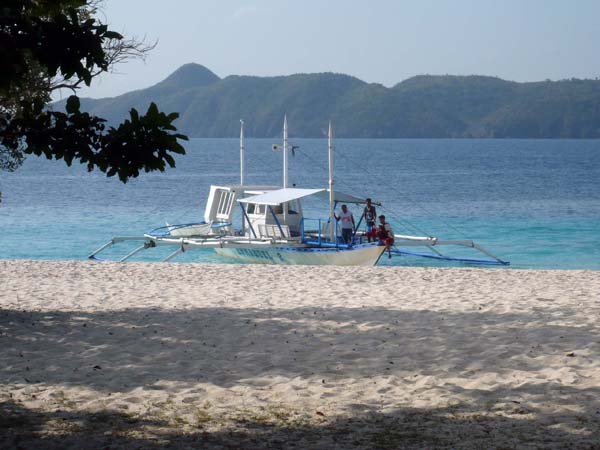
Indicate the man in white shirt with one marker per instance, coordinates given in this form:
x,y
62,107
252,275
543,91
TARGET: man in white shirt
x,y
347,224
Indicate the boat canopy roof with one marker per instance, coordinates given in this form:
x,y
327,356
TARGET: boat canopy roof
x,y
258,188
274,198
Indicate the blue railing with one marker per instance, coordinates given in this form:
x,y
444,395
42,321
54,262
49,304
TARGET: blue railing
x,y
311,231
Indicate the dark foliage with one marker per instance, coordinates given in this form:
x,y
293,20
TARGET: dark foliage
x,y
49,45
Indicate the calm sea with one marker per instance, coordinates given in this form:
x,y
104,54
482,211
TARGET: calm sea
x,y
533,202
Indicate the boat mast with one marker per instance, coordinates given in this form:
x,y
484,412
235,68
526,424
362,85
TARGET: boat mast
x,y
242,166
241,152
285,164
285,152
332,224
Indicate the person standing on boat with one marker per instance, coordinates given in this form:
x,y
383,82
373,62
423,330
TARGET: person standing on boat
x,y
347,220
386,234
370,213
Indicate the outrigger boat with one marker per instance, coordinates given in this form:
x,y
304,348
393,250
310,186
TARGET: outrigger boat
x,y
274,229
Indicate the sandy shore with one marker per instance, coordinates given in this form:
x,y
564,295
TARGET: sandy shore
x,y
97,355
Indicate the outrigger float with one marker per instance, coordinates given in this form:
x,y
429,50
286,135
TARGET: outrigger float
x,y
274,230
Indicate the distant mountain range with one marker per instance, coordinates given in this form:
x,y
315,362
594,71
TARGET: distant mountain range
x,y
421,107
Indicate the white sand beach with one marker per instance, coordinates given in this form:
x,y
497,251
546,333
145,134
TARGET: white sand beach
x,y
141,355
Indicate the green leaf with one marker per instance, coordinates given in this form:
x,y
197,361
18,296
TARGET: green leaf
x,y
113,35
73,104
135,116
170,160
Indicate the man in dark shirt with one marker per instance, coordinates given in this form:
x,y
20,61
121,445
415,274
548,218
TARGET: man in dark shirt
x,y
369,213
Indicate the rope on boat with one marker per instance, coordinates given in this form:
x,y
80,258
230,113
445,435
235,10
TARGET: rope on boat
x,y
411,227
412,202
436,255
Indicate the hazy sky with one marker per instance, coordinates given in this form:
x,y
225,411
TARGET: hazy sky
x,y
383,41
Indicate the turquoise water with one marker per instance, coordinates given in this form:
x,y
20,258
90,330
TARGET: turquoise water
x,y
533,202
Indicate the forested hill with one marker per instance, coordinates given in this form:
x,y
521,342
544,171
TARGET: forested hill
x,y
420,107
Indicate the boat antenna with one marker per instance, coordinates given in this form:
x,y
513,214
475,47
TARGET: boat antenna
x,y
332,224
285,152
241,152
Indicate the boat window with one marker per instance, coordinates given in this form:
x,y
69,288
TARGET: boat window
x,y
260,210
250,208
277,209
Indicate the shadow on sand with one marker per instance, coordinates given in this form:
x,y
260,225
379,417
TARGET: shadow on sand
x,y
404,428
122,350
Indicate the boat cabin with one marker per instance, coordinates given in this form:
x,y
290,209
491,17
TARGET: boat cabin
x,y
267,211
222,207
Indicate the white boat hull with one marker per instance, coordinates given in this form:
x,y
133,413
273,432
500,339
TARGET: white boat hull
x,y
360,255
